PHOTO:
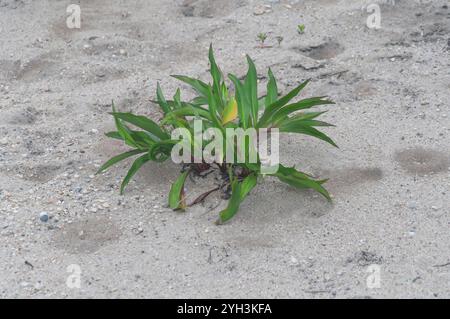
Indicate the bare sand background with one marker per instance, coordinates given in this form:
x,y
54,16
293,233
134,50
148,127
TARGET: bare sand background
x,y
389,179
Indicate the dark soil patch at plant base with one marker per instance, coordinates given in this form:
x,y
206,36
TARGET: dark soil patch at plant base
x,y
87,236
324,51
422,161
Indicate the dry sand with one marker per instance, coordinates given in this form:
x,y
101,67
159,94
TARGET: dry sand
x,y
389,178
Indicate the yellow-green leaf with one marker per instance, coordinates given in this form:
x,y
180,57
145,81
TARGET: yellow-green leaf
x,y
230,112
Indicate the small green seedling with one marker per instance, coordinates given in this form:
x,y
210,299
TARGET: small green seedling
x,y
301,28
279,40
262,38
222,109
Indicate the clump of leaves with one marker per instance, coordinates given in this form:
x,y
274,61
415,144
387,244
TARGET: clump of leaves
x,y
301,28
218,107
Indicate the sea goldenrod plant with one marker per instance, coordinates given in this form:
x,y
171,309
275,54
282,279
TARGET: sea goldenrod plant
x,y
220,108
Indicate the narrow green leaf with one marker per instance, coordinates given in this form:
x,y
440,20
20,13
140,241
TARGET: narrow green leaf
x,y
251,89
239,190
233,204
213,108
190,110
311,123
176,195
305,116
241,99
224,91
177,99
123,130
308,130
306,183
217,79
143,123
142,139
199,100
134,168
272,90
291,176
288,97
161,151
117,159
297,117
281,102
288,171
114,134
184,104
294,107
176,121
199,86
161,100
247,185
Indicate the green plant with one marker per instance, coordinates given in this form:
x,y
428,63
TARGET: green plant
x,y
279,40
301,28
262,38
217,107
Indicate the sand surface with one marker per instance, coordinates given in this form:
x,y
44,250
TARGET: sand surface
x,y
389,178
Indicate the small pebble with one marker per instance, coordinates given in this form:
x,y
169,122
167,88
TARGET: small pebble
x,y
43,217
262,10
412,205
24,284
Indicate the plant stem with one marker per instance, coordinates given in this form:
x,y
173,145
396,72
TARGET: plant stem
x,y
203,196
